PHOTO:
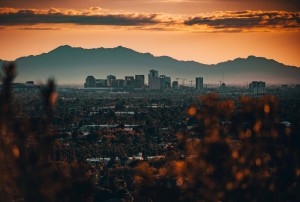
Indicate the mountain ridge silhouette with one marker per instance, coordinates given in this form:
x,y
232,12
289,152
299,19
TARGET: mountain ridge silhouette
x,y
71,65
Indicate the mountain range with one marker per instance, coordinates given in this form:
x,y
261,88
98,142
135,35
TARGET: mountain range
x,y
71,65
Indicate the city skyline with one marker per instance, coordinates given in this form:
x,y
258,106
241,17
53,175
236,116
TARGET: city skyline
x,y
204,31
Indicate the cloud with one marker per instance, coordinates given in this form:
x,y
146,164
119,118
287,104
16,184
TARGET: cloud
x,y
38,28
223,21
247,20
10,17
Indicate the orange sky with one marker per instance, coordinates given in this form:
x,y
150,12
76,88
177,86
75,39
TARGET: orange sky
x,y
205,31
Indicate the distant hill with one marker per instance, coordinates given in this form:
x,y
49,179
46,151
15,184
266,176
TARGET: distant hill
x,y
69,65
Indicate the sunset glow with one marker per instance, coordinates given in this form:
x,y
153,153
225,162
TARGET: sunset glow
x,y
204,31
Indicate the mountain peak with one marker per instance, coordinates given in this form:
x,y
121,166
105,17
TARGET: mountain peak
x,y
252,57
64,47
123,48
61,48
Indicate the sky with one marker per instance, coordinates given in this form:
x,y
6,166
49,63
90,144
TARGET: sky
x,y
206,31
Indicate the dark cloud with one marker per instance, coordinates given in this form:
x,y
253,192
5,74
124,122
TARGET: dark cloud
x,y
38,28
248,19
227,21
31,17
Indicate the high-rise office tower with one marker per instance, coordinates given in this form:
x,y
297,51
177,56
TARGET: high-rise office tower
x,y
111,80
154,80
90,82
199,83
257,87
139,81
